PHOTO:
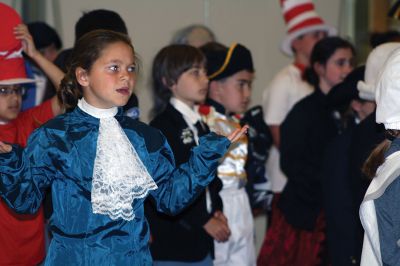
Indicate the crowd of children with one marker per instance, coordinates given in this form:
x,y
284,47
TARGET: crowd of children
x,y
84,182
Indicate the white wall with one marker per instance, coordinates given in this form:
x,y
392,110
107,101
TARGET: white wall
x,y
258,24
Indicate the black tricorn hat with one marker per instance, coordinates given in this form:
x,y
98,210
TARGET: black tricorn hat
x,y
394,11
223,62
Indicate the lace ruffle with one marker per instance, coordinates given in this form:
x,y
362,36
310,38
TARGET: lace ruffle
x,y
119,175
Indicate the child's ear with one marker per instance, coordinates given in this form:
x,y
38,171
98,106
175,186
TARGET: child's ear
x,y
82,77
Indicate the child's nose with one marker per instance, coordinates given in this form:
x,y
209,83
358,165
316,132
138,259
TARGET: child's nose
x,y
247,92
124,75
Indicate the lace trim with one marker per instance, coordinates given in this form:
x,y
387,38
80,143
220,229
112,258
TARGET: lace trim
x,y
119,175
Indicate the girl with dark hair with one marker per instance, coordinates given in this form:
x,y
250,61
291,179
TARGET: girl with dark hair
x,y
296,234
379,210
101,165
180,80
22,236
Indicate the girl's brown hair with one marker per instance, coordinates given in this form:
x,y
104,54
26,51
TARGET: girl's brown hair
x,y
86,51
377,156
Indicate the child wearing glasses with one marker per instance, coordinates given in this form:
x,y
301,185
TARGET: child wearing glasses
x,y
21,236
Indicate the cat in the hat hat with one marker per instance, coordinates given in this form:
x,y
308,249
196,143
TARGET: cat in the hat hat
x,y
301,19
15,39
304,29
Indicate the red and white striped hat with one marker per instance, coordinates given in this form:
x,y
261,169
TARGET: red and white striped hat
x,y
301,18
12,67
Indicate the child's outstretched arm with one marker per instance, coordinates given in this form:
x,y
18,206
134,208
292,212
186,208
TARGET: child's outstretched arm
x,y
51,70
25,173
179,186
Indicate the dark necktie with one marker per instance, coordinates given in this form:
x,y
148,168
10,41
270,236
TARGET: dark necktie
x,y
202,129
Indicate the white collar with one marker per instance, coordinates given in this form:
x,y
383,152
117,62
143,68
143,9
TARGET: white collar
x,y
96,112
190,114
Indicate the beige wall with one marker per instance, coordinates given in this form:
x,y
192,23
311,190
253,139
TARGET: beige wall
x,y
258,24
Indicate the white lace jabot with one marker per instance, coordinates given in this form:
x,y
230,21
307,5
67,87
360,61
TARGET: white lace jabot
x,y
119,176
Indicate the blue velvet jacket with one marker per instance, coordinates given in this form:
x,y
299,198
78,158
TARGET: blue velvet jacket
x,y
61,154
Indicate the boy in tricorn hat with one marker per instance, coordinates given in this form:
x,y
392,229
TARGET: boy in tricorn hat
x,y
231,73
21,236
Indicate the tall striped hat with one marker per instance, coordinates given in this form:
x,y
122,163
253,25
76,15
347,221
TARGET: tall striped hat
x,y
300,18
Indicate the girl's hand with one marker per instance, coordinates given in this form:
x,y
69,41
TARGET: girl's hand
x,y
238,133
22,33
4,148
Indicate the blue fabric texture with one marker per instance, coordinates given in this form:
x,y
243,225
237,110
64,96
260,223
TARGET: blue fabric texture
x,y
388,217
61,154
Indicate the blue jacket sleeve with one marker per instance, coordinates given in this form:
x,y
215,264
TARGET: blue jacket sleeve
x,y
24,174
178,187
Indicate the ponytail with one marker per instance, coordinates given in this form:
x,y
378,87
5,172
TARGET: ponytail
x,y
70,91
377,156
375,159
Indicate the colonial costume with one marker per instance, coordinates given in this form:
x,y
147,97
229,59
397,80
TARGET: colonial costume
x,y
239,249
101,166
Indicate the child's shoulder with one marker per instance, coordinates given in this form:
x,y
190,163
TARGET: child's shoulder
x,y
58,122
138,126
164,118
308,103
63,123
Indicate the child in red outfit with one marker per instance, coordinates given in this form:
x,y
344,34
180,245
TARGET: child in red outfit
x,y
21,236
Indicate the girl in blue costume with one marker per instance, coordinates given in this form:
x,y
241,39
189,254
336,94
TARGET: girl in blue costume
x,y
101,165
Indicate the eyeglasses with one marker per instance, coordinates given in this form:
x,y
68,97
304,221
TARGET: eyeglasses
x,y
8,90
